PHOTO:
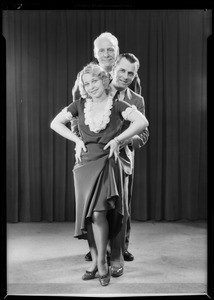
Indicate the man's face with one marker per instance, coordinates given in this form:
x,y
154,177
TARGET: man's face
x,y
123,74
106,53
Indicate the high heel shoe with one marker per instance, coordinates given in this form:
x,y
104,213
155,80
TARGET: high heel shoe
x,y
89,275
105,279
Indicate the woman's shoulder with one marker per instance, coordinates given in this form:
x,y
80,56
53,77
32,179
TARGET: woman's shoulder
x,y
77,105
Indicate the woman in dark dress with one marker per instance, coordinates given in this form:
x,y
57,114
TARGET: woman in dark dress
x,y
98,171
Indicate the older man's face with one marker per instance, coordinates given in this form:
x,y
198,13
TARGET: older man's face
x,y
106,53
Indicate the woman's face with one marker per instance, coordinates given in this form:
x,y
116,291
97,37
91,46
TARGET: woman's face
x,y
93,85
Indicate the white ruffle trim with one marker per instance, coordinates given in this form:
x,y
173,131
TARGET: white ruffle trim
x,y
99,121
127,111
67,113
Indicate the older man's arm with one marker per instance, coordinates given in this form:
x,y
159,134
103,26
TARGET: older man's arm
x,y
141,139
137,141
75,95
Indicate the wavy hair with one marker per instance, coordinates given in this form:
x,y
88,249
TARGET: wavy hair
x,y
96,71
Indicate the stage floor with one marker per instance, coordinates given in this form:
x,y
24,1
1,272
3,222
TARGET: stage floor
x,y
170,258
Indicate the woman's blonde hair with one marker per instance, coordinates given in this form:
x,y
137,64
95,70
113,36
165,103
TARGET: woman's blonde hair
x,y
96,71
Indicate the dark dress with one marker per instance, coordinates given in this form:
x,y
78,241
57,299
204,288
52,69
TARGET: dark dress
x,y
98,180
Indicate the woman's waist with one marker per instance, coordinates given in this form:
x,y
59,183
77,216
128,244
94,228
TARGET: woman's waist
x,y
99,147
94,152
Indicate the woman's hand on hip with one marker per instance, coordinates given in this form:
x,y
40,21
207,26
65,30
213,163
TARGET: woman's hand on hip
x,y
80,146
114,149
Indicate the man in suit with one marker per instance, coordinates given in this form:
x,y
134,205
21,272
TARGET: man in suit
x,y
123,73
106,51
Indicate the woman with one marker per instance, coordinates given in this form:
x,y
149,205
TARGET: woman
x,y
98,176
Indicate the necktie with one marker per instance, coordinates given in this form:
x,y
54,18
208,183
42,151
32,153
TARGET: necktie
x,y
117,96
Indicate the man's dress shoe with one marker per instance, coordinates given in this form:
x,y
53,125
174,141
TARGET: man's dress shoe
x,y
128,256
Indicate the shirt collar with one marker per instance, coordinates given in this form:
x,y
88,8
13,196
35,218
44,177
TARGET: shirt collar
x,y
114,90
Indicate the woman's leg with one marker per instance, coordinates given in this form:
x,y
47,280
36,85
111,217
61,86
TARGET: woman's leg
x,y
92,247
101,229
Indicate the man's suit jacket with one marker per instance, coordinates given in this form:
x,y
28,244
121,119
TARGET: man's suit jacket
x,y
135,99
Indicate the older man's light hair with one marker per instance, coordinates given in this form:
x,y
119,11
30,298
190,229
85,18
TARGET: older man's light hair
x,y
108,36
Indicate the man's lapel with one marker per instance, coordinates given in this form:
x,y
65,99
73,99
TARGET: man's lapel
x,y
128,96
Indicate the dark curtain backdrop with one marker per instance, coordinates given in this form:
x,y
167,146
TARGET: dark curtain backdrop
x,y
44,51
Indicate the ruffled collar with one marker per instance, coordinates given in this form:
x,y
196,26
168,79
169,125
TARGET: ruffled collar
x,y
99,121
